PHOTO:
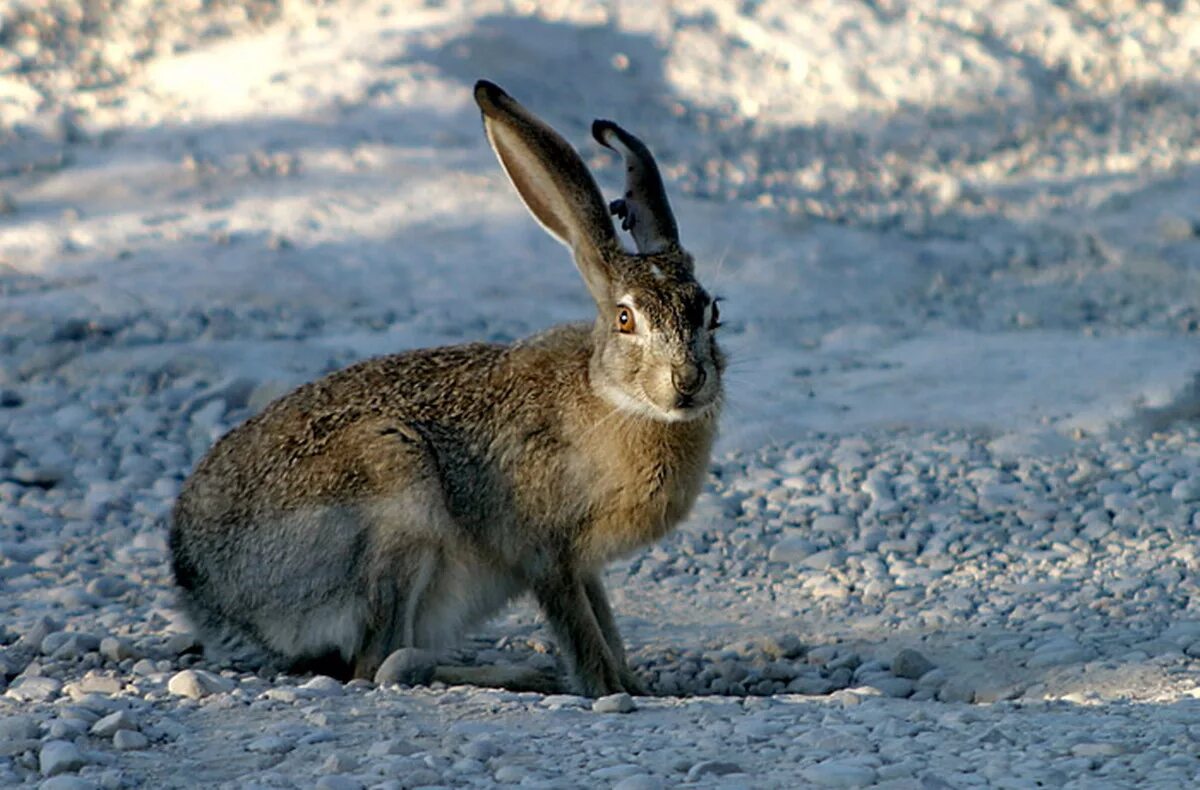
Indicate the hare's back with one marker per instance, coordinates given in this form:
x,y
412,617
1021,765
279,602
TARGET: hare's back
x,y
340,439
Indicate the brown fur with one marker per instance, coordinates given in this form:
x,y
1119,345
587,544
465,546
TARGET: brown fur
x,y
400,500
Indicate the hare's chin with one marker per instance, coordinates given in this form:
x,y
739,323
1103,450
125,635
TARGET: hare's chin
x,y
628,404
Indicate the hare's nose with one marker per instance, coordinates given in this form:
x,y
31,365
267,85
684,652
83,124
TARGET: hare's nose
x,y
688,379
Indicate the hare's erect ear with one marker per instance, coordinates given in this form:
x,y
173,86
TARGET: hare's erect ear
x,y
644,210
553,181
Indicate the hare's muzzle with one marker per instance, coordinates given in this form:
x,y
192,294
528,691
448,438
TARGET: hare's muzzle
x,y
688,379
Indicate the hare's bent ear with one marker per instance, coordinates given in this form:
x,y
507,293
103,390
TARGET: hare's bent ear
x,y
644,210
553,182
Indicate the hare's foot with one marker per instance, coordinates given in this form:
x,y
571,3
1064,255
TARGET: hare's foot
x,y
564,600
632,683
513,678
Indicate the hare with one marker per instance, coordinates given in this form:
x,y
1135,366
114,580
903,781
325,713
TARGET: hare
x,y
402,500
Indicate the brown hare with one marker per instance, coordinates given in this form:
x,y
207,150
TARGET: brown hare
x,y
402,500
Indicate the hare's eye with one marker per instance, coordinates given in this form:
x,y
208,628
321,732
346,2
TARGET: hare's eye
x,y
625,322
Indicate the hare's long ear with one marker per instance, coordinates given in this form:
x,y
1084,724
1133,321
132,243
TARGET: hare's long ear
x,y
553,181
644,210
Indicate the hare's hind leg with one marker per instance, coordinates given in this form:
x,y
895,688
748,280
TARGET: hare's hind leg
x,y
511,678
410,530
395,606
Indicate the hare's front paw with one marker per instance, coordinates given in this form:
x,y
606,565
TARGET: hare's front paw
x,y
597,682
632,683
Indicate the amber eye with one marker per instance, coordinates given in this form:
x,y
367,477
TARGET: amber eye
x,y
625,321
714,320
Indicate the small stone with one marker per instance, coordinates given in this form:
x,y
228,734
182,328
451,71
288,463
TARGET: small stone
x,y
29,688
52,642
910,664
116,649
810,685
18,728
144,667
338,763
787,646
285,694
639,782
892,687
836,524
822,655
68,644
92,683
129,740
107,586
423,777
614,703
339,782
791,550
956,690
1056,653
41,628
1174,227
1097,749
197,684
823,560
66,728
1186,490
840,773
468,766
113,723
712,768
269,744
408,666
482,749
323,686
395,746
320,735
10,666
60,757
510,774
178,644
67,782
933,679
13,747
555,701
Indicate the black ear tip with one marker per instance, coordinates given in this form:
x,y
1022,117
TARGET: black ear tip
x,y
601,129
488,93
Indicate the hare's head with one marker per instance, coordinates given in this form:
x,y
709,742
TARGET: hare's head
x,y
655,352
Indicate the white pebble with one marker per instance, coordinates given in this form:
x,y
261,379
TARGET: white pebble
x,y
198,683
614,703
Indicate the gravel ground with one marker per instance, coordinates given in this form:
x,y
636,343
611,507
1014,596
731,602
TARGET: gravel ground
x,y
950,536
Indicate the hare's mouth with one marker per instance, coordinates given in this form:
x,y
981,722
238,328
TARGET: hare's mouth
x,y
642,405
688,412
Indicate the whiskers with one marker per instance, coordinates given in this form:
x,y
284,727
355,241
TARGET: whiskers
x,y
719,269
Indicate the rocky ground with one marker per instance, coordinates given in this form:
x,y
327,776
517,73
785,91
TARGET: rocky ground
x,y
950,535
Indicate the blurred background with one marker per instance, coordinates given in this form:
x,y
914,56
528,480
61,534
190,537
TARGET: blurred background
x,y
986,210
